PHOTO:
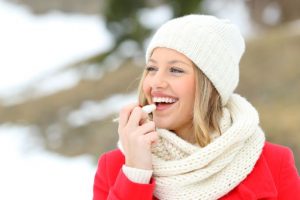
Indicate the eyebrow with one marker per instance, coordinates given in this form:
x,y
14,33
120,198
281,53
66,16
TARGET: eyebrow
x,y
170,62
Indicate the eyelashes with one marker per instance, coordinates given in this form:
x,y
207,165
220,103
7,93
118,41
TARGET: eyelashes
x,y
175,70
151,68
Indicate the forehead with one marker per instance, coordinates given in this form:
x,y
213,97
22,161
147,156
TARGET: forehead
x,y
162,54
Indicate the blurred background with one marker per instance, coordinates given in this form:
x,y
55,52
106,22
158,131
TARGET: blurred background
x,y
68,66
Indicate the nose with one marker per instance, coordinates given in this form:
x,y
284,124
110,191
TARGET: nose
x,y
159,80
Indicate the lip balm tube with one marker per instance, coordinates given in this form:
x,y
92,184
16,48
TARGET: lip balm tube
x,y
147,109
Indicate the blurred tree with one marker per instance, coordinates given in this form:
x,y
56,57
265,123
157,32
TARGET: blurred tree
x,y
123,19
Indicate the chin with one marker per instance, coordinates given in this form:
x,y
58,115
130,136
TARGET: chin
x,y
162,124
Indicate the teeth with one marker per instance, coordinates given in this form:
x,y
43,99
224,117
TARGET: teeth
x,y
163,99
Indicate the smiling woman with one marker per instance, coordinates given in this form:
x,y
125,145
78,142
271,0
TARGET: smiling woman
x,y
203,141
170,84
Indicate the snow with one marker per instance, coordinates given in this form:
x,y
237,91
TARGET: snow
x,y
272,13
28,172
234,10
32,46
154,17
94,111
53,84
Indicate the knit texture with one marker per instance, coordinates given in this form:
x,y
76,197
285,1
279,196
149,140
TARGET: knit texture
x,y
214,45
187,171
137,175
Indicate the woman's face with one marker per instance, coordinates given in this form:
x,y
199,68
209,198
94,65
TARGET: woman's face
x,y
170,84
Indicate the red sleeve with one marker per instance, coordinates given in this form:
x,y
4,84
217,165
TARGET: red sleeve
x,y
122,189
289,185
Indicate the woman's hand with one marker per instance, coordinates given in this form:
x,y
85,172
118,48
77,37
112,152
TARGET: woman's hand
x,y
136,134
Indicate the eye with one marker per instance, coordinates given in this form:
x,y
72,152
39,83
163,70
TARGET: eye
x,y
151,68
176,70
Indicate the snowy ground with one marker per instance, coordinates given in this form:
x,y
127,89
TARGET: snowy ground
x,y
28,172
31,47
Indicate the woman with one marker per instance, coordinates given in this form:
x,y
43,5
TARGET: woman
x,y
202,141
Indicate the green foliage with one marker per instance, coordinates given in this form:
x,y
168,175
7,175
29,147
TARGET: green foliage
x,y
122,20
181,7
122,17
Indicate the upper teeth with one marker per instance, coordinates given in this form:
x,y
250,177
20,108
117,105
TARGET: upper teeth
x,y
163,99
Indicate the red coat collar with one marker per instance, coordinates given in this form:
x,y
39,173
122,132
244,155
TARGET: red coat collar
x,y
258,184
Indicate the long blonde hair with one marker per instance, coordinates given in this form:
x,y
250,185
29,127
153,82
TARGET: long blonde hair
x,y
207,107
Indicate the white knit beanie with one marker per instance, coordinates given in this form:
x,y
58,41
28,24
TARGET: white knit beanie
x,y
214,45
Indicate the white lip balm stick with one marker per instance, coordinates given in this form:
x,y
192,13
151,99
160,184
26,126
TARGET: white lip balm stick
x,y
147,109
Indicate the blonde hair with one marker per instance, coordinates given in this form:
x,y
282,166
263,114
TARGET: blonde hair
x,y
207,107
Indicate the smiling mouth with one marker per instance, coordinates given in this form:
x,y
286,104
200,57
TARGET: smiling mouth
x,y
163,102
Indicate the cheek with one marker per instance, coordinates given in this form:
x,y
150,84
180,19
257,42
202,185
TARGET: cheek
x,y
186,89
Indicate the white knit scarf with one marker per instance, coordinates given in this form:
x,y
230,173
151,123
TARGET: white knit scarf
x,y
186,171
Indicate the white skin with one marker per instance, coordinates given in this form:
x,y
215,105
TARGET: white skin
x,y
170,75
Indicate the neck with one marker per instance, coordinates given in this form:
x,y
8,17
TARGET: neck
x,y
187,134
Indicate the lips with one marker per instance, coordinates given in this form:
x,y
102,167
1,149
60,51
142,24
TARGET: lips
x,y
163,101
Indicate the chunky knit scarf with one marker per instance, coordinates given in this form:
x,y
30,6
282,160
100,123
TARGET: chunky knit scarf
x,y
187,171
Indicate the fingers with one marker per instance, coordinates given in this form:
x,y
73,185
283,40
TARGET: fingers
x,y
151,137
144,117
139,131
146,128
125,114
133,124
135,117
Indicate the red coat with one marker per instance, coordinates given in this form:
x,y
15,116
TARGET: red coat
x,y
273,177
